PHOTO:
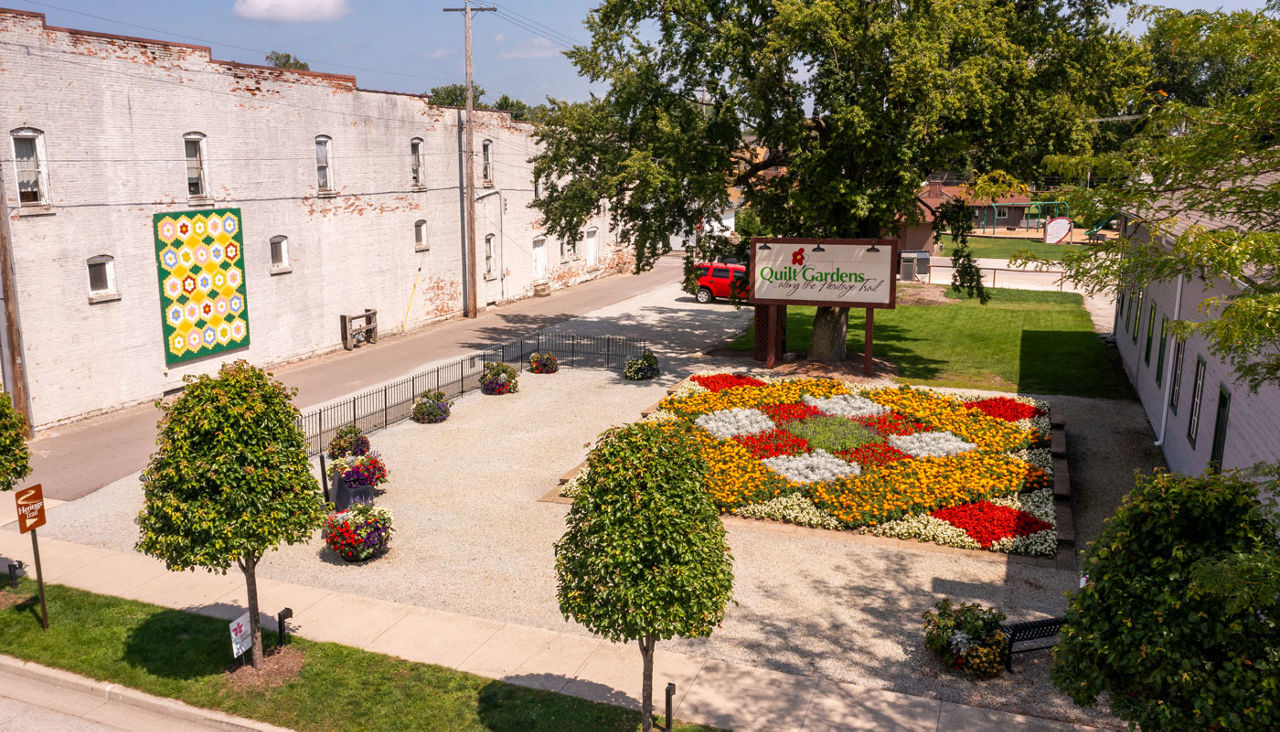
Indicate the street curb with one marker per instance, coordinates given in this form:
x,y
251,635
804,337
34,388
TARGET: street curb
x,y
130,697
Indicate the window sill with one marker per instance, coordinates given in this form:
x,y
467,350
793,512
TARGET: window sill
x,y
490,278
200,201
421,249
281,270
419,188
99,297
327,194
36,210
487,184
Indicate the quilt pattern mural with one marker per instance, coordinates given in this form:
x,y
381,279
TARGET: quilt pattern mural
x,y
200,261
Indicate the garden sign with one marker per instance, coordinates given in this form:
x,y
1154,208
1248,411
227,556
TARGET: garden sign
x,y
844,273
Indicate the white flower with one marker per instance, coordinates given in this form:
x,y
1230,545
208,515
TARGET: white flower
x,y
793,508
728,423
961,642
923,527
1040,458
660,415
687,387
847,405
930,444
814,467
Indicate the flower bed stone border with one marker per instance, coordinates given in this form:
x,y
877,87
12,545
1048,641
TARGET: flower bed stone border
x,y
1065,558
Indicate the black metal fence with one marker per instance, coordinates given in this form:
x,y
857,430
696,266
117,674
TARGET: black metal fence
x,y
393,402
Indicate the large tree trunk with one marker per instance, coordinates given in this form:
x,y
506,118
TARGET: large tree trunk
x,y
247,565
830,328
646,688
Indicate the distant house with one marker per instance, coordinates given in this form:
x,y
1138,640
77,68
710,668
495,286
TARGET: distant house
x,y
1203,419
1006,212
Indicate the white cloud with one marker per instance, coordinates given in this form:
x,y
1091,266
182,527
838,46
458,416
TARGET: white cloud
x,y
292,11
439,53
537,48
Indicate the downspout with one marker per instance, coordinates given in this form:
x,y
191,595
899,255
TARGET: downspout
x,y
502,240
1168,367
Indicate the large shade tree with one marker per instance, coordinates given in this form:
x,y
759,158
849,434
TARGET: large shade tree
x,y
828,114
231,479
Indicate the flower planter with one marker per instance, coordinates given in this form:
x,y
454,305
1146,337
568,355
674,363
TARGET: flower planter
x,y
344,493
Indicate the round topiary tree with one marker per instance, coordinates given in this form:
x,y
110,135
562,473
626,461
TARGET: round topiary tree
x,y
231,479
15,459
644,557
1156,630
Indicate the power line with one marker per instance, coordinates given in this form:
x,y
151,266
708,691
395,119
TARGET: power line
x,y
230,45
538,28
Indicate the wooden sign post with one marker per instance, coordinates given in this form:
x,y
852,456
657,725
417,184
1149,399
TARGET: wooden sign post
x,y
31,517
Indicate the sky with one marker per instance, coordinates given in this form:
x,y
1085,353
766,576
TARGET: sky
x,y
392,45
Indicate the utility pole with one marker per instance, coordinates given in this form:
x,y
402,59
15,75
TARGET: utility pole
x,y
15,371
469,261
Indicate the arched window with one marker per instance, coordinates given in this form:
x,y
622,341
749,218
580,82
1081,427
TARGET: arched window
x,y
415,160
280,254
324,177
420,243
102,278
194,147
486,161
29,159
488,256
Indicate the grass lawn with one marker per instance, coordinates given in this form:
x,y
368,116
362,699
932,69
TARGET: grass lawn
x,y
1023,340
1002,248
185,656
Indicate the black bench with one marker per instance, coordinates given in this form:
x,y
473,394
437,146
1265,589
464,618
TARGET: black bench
x,y
1032,630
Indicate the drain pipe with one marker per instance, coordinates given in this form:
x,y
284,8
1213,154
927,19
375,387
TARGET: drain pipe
x,y
502,240
1168,366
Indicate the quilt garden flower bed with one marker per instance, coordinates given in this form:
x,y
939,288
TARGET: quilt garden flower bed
x,y
903,462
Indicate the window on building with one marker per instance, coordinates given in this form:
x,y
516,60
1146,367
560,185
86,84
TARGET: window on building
x,y
1120,303
279,253
488,256
415,160
1137,318
102,278
194,142
324,177
420,236
486,161
1164,341
1175,389
1002,212
29,158
1197,391
537,189
1151,330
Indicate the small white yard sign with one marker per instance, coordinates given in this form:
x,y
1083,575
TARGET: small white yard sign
x,y
241,635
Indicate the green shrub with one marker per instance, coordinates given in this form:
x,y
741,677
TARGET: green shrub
x,y
642,367
348,440
1169,650
966,637
832,433
499,378
15,460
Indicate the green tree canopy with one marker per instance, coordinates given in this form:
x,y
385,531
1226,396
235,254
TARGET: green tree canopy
x,y
1205,182
230,480
849,105
644,557
15,459
455,95
282,60
1154,629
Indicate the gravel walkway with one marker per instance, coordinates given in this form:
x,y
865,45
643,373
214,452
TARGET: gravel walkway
x,y
472,537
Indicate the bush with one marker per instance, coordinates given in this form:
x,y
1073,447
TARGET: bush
x,y
966,637
431,408
348,440
361,532
14,457
641,368
544,363
499,378
1170,650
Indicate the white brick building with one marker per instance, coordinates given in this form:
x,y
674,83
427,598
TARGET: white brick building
x,y
1201,415
349,199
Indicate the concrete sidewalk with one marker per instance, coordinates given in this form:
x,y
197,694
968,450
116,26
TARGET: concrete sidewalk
x,y
728,695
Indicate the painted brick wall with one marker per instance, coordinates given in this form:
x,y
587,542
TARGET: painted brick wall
x,y
114,111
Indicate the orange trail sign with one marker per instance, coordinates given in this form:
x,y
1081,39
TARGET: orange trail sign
x,y
30,508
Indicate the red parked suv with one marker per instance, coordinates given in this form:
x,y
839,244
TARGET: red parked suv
x,y
718,279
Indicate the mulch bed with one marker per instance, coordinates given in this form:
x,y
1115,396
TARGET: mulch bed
x,y
279,667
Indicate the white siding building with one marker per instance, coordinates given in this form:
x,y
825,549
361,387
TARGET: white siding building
x,y
1200,414
349,199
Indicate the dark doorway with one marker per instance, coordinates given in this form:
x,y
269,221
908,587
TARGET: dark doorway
x,y
1220,429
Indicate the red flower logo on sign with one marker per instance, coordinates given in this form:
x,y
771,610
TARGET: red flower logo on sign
x,y
797,258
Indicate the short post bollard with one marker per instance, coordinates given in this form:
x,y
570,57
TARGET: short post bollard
x,y
14,568
671,695
281,617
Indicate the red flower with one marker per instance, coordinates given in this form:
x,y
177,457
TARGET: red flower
x,y
771,444
720,382
873,455
987,523
893,424
1010,410
780,413
797,257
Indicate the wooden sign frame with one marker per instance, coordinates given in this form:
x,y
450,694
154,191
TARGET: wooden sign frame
x,y
824,243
